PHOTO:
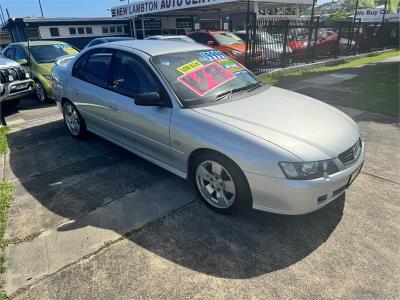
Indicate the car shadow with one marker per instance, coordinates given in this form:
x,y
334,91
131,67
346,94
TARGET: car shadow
x,y
243,245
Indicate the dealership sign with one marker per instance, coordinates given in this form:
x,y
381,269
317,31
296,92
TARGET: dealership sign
x,y
376,15
155,6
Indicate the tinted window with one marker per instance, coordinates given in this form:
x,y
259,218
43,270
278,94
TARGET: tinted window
x,y
95,42
104,29
112,29
89,30
72,30
131,77
10,53
81,30
94,67
20,54
201,38
54,31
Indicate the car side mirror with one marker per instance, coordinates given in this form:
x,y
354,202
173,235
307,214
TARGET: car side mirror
x,y
149,99
23,62
211,43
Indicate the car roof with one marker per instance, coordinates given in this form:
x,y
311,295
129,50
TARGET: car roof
x,y
158,47
38,43
168,36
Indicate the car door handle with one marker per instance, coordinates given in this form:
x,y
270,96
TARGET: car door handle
x,y
113,108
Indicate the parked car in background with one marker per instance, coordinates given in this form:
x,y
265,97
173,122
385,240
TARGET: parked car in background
x,y
224,41
177,38
102,40
268,47
326,43
15,83
197,113
40,62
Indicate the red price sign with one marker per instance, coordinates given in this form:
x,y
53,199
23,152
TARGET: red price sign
x,y
206,78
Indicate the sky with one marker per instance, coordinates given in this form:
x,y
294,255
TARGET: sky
x,y
64,8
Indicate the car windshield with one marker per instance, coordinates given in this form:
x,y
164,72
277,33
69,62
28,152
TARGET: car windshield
x,y
227,38
201,77
48,53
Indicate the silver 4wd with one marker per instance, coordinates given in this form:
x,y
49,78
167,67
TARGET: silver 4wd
x,y
14,82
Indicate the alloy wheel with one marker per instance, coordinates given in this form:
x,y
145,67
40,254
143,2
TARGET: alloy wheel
x,y
72,119
215,184
40,93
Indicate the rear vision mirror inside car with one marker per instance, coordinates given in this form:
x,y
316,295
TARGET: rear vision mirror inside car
x,y
149,99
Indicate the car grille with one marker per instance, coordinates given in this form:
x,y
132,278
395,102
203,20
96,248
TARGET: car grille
x,y
17,73
352,154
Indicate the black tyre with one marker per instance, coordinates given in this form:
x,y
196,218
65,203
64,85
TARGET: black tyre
x,y
220,183
40,91
73,120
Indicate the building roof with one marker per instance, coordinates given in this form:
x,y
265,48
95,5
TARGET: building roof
x,y
159,47
66,19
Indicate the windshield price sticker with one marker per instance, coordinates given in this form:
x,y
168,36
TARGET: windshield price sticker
x,y
206,78
193,65
231,65
212,55
62,46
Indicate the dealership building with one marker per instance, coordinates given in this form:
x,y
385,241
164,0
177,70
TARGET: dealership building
x,y
144,18
151,17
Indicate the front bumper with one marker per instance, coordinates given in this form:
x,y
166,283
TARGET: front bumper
x,y
10,91
295,197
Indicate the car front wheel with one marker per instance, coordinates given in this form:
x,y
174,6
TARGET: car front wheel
x,y
220,183
40,92
73,120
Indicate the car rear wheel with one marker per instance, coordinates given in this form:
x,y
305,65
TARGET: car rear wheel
x,y
73,120
220,183
40,92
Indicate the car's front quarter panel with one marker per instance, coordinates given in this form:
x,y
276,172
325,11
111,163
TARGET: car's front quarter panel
x,y
191,131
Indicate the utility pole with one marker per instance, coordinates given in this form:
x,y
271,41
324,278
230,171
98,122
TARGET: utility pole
x,y
41,10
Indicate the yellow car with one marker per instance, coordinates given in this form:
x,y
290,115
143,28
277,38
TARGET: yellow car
x,y
40,62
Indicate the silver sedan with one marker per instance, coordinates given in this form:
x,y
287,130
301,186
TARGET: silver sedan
x,y
202,116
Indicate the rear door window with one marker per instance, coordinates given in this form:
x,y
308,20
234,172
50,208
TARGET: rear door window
x,y
129,76
94,67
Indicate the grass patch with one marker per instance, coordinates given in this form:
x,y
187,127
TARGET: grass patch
x,y
3,139
376,89
6,194
282,77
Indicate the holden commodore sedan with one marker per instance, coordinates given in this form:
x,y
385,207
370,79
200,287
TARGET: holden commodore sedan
x,y
202,116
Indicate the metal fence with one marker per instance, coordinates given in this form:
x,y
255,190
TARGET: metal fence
x,y
272,44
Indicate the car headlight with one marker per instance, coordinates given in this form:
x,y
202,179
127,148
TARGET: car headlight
x,y
308,170
237,53
27,75
48,77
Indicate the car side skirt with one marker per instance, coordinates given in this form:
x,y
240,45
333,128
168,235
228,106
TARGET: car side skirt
x,y
142,155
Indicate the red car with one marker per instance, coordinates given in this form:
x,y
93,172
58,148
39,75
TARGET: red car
x,y
224,41
326,43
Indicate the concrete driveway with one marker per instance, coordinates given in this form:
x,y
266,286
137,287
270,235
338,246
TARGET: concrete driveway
x,y
92,221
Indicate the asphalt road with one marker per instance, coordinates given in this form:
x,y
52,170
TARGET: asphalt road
x,y
92,221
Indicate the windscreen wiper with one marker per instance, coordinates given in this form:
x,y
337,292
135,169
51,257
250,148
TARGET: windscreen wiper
x,y
229,93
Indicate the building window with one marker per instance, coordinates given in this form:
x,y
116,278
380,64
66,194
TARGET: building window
x,y
112,29
72,31
54,31
105,29
81,30
119,29
89,30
